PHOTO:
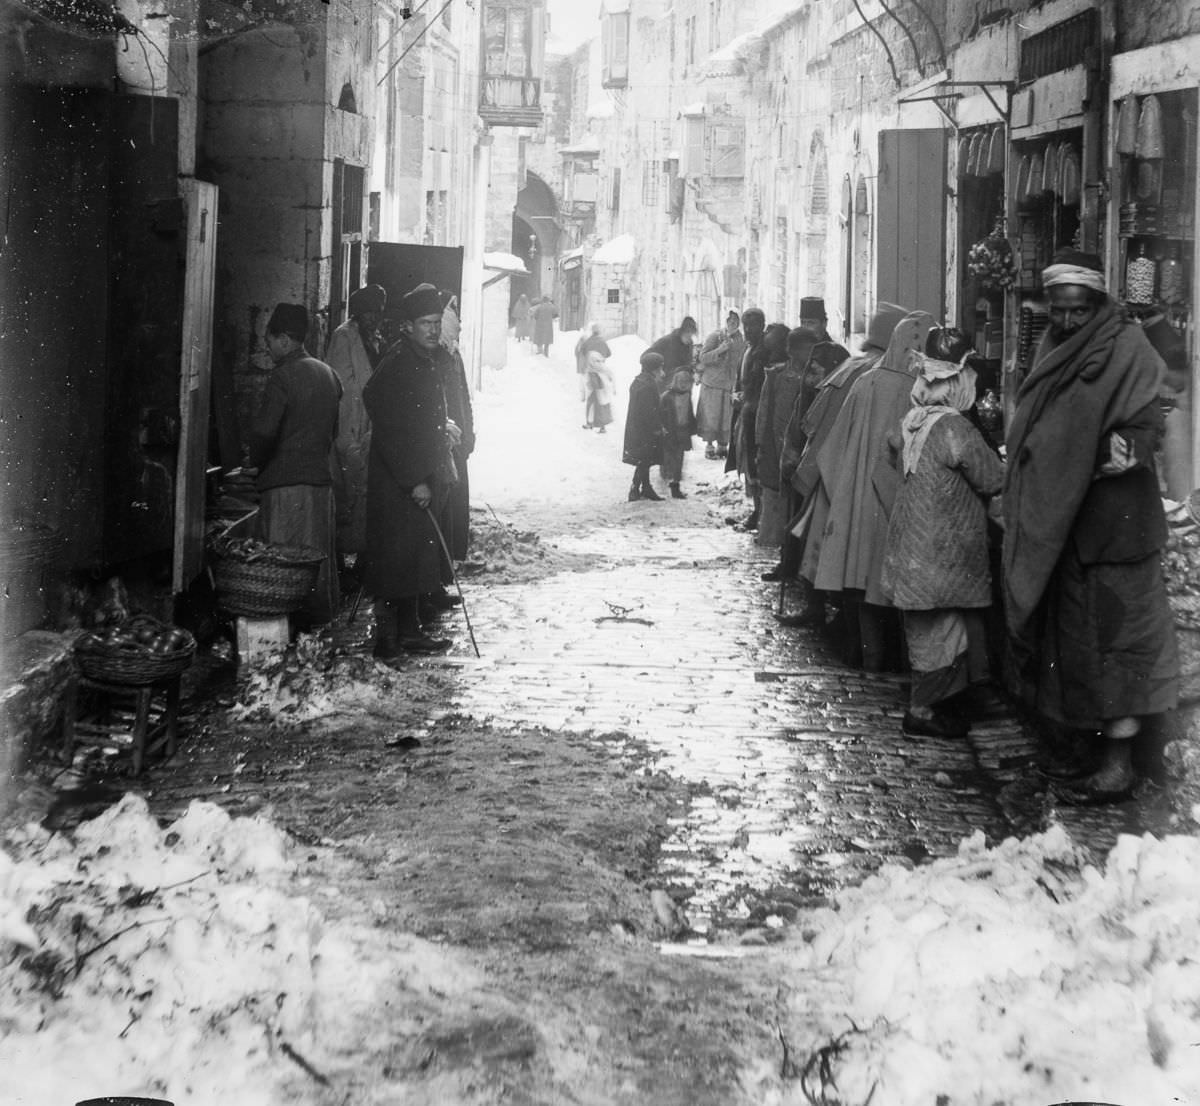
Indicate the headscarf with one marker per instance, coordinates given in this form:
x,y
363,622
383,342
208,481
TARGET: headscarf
x,y
942,388
908,338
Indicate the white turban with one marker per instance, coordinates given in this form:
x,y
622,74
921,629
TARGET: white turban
x,y
1073,274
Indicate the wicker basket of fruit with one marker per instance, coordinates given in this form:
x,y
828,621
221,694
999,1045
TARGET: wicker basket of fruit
x,y
140,650
257,579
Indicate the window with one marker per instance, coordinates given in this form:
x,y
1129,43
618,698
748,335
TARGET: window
x,y
615,202
614,48
692,164
689,57
728,150
651,183
614,295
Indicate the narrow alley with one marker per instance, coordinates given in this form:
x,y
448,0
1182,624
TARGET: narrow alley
x,y
594,865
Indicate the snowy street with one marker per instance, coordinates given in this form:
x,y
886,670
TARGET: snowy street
x,y
650,847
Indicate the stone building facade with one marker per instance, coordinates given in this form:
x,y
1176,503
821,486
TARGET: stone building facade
x,y
856,151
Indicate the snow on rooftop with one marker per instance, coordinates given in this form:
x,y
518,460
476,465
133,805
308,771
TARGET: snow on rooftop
x,y
509,262
618,251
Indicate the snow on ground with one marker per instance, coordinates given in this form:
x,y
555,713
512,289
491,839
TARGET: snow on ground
x,y
178,963
185,963
189,962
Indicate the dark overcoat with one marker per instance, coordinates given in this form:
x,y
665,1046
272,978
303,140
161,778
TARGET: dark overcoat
x,y
407,405
643,430
543,315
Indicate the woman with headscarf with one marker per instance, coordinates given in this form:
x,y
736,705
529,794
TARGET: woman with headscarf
x,y
355,348
861,486
935,565
595,379
642,446
1091,631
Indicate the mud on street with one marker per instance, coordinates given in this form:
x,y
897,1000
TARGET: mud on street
x,y
584,867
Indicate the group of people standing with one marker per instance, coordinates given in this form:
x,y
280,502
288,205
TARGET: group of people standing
x,y
534,322
364,459
923,542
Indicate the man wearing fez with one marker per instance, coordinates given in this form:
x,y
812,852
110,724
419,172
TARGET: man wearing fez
x,y
409,474
291,445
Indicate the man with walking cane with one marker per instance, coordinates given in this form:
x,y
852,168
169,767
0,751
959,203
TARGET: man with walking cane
x,y
409,474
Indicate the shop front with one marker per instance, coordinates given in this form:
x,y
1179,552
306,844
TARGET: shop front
x,y
1155,190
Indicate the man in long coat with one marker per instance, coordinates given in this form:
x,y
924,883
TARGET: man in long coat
x,y
1093,642
409,476
861,485
677,348
291,445
543,314
720,357
743,454
354,350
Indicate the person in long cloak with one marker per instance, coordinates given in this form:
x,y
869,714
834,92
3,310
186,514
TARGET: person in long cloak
x,y
522,326
543,314
810,436
783,377
1091,630
409,474
862,486
642,446
719,359
743,452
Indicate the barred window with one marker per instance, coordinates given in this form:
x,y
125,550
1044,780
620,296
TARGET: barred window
x,y
652,172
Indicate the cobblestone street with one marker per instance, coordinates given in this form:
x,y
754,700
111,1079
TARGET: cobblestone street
x,y
593,864
648,622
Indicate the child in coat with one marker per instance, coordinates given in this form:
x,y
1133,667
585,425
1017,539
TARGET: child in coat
x,y
679,424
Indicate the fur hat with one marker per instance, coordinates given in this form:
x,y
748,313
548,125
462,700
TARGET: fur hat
x,y
423,300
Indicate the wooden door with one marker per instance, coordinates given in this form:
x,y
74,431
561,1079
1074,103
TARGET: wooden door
x,y
195,380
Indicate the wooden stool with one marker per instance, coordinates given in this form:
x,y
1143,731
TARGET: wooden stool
x,y
147,736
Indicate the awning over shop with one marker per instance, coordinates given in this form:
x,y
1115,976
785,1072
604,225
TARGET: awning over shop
x,y
500,265
572,259
586,146
618,251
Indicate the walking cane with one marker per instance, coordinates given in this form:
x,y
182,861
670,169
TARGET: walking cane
x,y
454,576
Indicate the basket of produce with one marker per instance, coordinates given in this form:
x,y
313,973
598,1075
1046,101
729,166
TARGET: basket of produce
x,y
257,579
140,650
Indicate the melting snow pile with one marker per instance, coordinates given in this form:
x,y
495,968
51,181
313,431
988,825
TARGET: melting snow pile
x,y
317,679
1015,975
139,961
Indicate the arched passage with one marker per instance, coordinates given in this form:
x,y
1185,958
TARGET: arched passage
x,y
535,235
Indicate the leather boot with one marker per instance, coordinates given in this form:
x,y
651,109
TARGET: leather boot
x,y
385,648
648,492
676,493
635,492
